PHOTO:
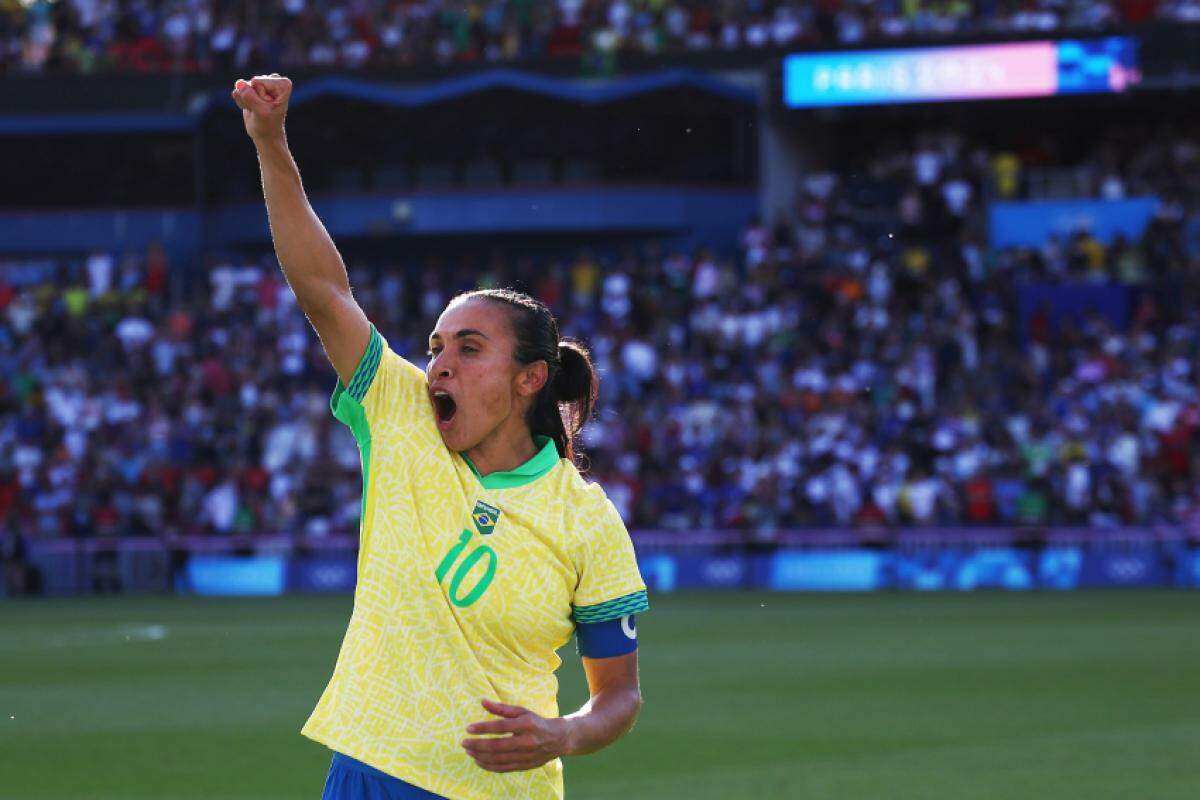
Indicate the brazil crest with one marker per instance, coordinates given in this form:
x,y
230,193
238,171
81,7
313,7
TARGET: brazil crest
x,y
486,516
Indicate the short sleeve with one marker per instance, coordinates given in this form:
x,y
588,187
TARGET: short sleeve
x,y
383,383
610,585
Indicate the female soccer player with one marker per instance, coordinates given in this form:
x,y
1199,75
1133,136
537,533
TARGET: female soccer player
x,y
482,549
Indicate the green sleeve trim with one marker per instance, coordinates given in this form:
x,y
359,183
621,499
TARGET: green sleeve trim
x,y
347,407
634,603
368,365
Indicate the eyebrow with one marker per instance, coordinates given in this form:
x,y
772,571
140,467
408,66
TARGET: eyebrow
x,y
463,334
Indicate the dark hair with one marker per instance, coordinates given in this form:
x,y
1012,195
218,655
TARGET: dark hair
x,y
567,400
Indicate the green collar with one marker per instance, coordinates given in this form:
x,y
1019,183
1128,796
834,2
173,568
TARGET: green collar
x,y
542,462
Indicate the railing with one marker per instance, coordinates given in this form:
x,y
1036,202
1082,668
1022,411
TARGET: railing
x,y
859,559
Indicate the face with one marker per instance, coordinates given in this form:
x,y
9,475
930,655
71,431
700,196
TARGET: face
x,y
477,388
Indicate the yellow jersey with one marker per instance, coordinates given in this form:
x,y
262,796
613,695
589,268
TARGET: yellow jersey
x,y
467,586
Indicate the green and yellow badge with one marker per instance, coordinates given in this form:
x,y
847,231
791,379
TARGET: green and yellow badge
x,y
485,516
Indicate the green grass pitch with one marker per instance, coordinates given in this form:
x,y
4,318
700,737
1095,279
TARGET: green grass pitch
x,y
1088,695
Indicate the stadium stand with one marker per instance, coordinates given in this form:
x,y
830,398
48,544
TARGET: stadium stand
x,y
88,36
823,377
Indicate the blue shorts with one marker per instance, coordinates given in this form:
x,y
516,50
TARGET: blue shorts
x,y
350,779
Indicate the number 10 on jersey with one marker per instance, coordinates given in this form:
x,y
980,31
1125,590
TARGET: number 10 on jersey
x,y
464,568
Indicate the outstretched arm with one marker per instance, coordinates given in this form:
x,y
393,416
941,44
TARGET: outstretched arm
x,y
311,264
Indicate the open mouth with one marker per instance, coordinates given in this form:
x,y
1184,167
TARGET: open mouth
x,y
444,406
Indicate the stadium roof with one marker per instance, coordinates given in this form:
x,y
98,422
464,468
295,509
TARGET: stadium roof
x,y
584,91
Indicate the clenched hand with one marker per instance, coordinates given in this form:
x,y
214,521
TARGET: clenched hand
x,y
264,101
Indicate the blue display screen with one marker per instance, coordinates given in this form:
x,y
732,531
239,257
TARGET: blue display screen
x,y
961,72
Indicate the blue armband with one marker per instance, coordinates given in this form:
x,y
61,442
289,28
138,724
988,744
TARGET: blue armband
x,y
614,637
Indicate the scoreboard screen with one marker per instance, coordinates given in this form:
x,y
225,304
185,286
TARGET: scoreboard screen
x,y
960,72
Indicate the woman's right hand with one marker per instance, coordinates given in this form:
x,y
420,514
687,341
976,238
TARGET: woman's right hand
x,y
264,101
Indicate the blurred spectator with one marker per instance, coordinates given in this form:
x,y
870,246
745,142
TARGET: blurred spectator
x,y
862,362
14,557
86,36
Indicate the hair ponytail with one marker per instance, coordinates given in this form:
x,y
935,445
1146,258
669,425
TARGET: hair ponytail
x,y
576,387
567,401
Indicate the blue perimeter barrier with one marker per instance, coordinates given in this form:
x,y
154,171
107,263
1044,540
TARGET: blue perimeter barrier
x,y
965,560
1011,569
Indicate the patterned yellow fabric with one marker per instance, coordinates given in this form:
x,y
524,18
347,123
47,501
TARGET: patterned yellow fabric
x,y
464,592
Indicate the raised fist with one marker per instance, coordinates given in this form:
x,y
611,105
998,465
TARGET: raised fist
x,y
264,101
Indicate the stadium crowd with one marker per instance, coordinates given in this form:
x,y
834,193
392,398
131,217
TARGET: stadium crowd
x,y
836,372
86,36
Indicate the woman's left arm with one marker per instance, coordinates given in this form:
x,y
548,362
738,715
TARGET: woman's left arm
x,y
533,740
614,705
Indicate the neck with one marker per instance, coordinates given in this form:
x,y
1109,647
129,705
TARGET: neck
x,y
503,450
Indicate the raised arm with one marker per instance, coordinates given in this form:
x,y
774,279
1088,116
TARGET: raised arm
x,y
311,264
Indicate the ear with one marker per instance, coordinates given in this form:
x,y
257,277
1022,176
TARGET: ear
x,y
531,378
